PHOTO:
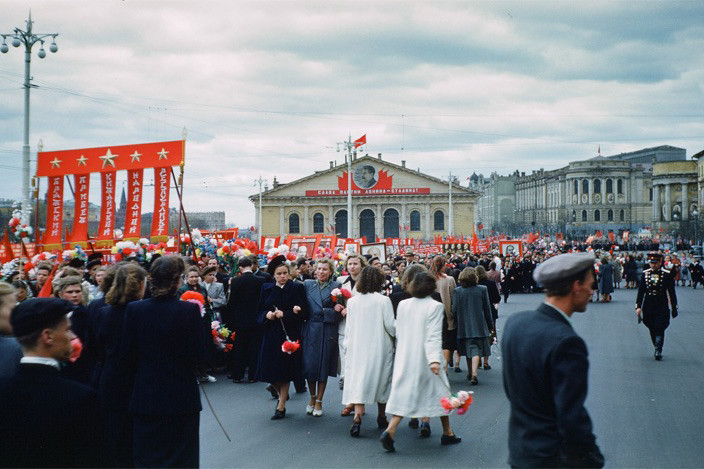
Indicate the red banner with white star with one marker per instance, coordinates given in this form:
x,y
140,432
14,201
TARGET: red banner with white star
x,y
133,219
107,206
106,159
54,211
80,208
160,219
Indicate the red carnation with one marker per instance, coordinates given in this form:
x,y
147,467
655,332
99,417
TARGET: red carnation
x,y
290,347
226,249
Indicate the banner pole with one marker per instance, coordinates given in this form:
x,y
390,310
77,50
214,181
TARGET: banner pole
x,y
183,211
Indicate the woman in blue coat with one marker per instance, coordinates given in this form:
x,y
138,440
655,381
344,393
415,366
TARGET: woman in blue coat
x,y
606,280
281,311
320,348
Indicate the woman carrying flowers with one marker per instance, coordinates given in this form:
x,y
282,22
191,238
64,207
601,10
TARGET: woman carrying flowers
x,y
193,285
320,349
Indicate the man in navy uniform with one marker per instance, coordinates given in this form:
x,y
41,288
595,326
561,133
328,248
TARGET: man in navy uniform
x,y
545,372
656,293
47,420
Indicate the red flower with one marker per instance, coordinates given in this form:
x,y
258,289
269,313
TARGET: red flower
x,y
77,347
214,332
346,293
193,295
232,336
226,249
228,347
290,347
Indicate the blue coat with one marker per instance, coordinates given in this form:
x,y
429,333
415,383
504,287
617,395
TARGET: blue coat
x,y
320,349
274,364
606,279
545,379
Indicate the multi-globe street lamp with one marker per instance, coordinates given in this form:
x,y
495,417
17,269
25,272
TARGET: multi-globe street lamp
x,y
29,39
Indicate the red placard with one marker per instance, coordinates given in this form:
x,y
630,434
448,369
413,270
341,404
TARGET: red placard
x,y
107,206
133,219
160,220
55,211
80,208
107,159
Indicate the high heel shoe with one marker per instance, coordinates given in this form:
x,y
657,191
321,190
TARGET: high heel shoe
x,y
310,409
318,412
356,428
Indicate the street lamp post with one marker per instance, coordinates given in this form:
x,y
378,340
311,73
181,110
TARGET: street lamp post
x,y
695,214
28,38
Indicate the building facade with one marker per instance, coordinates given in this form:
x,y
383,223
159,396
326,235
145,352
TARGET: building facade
x,y
497,205
389,201
675,196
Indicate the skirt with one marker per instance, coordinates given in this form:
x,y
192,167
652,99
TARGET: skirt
x,y
474,347
449,337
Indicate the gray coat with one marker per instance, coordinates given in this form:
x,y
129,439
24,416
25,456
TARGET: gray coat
x,y
319,333
472,313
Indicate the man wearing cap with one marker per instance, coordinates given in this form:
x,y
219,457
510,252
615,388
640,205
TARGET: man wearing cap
x,y
45,419
545,372
656,293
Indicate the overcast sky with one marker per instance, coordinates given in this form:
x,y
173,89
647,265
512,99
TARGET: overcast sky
x,y
268,88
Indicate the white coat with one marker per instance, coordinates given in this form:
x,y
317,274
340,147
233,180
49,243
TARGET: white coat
x,y
415,390
370,350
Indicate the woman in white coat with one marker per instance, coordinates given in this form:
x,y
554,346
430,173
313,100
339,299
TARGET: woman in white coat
x,y
419,382
370,351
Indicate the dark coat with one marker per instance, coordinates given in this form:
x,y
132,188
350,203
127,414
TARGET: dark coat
x,y
48,421
274,364
545,379
606,279
114,389
160,350
241,310
494,296
319,332
82,369
656,292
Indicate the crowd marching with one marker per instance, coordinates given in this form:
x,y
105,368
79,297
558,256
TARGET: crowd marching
x,y
100,362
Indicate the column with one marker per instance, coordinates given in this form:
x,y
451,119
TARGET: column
x,y
685,207
656,203
579,191
282,222
427,222
331,219
306,223
603,191
668,203
402,232
354,229
379,225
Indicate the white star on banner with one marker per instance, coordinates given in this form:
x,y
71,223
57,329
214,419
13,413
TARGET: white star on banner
x,y
136,156
55,163
82,160
162,154
108,159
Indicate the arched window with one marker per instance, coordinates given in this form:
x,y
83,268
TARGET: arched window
x,y
609,186
610,215
439,221
622,215
597,215
597,186
367,225
341,224
584,215
575,186
415,220
294,223
318,223
619,186
391,228
585,186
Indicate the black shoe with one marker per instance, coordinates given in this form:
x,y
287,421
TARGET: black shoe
x,y
658,354
356,428
381,422
474,381
458,369
424,429
413,423
487,367
278,414
342,383
237,380
387,442
449,439
272,390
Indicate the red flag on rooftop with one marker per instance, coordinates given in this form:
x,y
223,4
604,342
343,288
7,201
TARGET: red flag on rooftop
x,y
360,141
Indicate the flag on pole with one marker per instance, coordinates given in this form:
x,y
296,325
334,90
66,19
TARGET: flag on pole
x,y
360,141
9,253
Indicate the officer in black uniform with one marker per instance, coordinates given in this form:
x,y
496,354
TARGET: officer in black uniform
x,y
656,294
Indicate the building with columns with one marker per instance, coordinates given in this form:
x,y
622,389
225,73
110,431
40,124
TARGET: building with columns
x,y
675,195
497,204
389,201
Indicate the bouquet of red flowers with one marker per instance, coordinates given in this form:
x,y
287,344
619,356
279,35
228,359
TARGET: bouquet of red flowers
x,y
223,338
459,402
340,295
195,297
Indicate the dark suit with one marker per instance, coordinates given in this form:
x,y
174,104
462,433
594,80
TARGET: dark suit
x,y
240,314
48,421
656,293
545,378
160,352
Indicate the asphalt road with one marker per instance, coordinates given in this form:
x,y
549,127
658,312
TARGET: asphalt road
x,y
645,413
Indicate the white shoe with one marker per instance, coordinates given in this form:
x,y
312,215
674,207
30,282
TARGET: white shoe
x,y
310,409
210,379
317,412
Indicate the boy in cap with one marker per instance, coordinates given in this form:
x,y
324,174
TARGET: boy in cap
x,y
545,372
46,420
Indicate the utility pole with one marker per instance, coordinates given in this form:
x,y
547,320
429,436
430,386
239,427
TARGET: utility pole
x,y
450,224
259,181
28,38
348,146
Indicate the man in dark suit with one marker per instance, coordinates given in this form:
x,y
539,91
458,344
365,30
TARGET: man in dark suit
x,y
545,372
656,293
241,315
47,420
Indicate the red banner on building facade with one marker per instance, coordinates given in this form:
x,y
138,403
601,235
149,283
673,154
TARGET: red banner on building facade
x,y
133,218
54,211
80,208
160,220
107,206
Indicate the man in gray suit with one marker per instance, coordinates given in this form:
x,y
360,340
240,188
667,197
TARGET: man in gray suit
x,y
545,372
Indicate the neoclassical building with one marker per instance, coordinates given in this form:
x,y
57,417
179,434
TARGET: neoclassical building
x,y
389,201
675,194
497,205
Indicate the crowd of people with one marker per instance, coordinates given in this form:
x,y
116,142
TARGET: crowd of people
x,y
125,353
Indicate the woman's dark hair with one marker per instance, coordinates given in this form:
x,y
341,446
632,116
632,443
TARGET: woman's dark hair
x,y
423,285
409,274
208,270
370,280
468,277
481,273
20,284
438,266
166,275
126,285
190,269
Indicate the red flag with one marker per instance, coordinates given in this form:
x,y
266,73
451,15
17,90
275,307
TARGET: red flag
x,y
360,141
475,242
9,253
46,290
25,253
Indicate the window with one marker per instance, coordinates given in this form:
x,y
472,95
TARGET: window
x,y
294,223
651,194
584,215
609,186
341,224
574,215
576,187
585,186
622,215
610,215
438,221
318,223
597,215
597,186
415,220
619,186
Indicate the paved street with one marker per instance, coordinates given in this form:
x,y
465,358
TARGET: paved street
x,y
645,413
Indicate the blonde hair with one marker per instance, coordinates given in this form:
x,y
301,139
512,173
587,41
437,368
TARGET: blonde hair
x,y
327,261
127,285
6,289
362,259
